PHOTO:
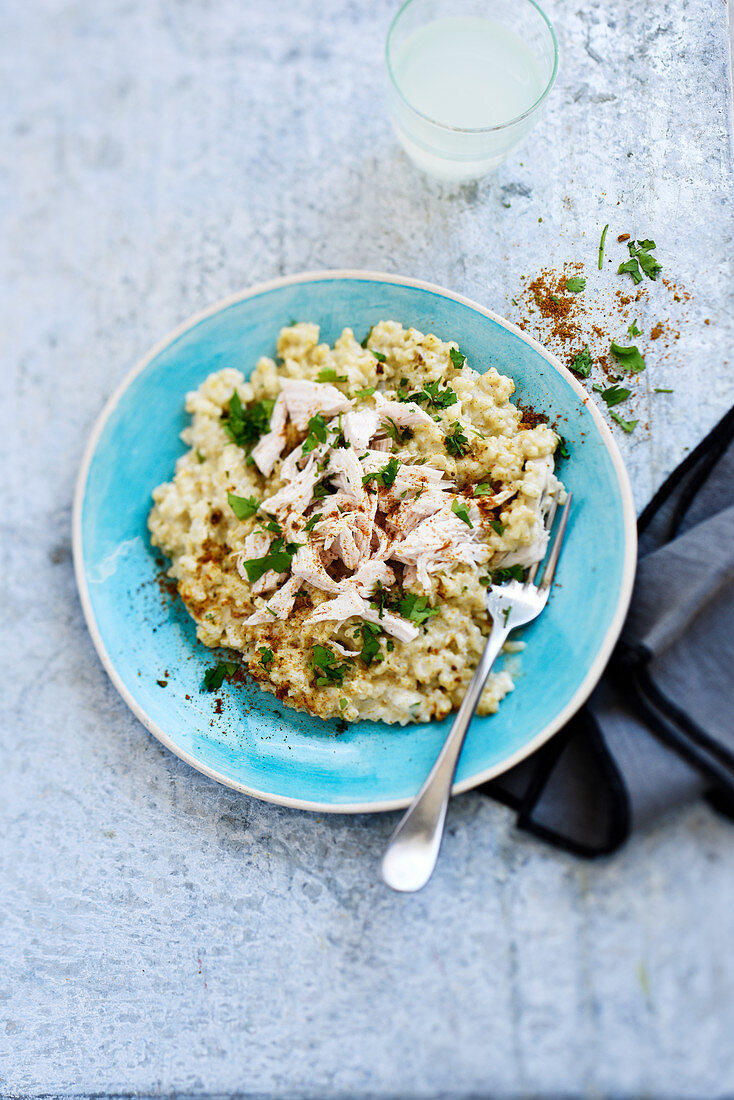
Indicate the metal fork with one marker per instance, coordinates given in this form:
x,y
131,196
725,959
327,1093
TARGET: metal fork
x,y
412,851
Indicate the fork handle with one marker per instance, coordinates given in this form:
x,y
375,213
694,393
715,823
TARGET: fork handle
x,y
413,848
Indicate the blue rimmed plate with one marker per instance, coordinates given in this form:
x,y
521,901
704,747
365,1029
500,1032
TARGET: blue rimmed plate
x,y
256,744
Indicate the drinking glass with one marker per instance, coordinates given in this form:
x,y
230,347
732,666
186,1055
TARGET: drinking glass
x,y
518,39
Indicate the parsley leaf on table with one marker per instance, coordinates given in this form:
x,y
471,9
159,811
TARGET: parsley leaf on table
x,y
575,284
649,265
631,267
614,395
633,330
627,425
629,357
582,362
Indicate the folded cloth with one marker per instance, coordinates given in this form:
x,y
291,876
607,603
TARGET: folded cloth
x,y
658,731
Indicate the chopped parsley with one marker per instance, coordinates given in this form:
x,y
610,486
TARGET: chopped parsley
x,y
630,357
200,456
582,362
370,643
278,558
660,389
633,330
214,677
457,359
483,489
244,426
243,507
640,257
323,488
343,704
266,656
328,670
366,392
396,433
497,527
631,267
627,425
364,342
506,614
575,284
460,509
386,476
379,356
316,433
511,573
311,523
601,245
614,395
416,608
649,264
381,599
330,375
562,447
456,442
273,526
433,396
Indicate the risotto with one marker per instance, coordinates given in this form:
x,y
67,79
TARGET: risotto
x,y
339,515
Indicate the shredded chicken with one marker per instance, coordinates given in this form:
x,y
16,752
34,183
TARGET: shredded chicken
x,y
349,604
278,607
359,527
305,399
269,449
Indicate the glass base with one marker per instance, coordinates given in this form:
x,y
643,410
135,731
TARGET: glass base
x,y
448,169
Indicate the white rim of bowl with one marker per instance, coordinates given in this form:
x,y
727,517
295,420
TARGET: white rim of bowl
x,y
473,129
598,664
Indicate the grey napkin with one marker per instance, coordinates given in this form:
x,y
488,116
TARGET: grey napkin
x,y
659,729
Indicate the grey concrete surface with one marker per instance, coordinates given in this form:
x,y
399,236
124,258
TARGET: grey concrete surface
x,y
163,936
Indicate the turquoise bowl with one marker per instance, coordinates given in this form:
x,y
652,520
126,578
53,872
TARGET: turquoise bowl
x,y
256,744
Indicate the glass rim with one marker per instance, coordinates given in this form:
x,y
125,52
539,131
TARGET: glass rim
x,y
472,129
